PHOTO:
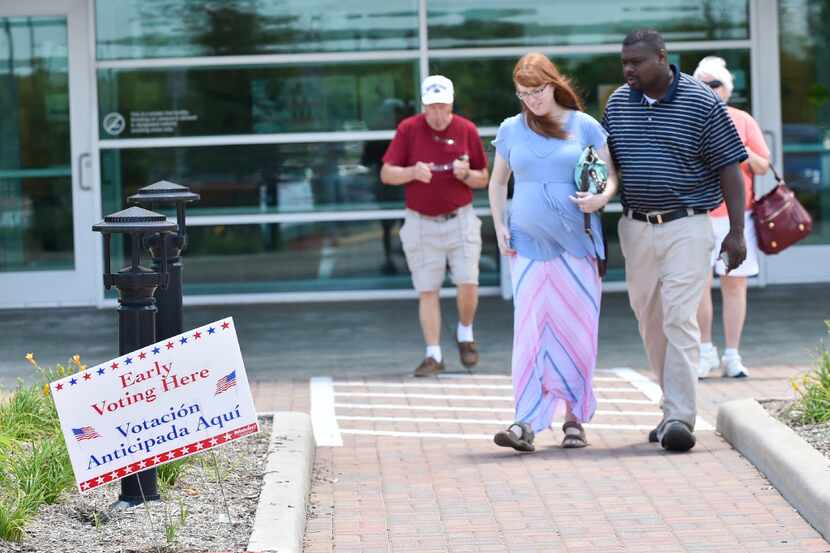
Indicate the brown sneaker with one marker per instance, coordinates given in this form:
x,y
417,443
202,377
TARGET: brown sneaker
x,y
429,367
468,351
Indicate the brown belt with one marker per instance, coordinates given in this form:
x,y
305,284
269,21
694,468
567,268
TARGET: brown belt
x,y
442,217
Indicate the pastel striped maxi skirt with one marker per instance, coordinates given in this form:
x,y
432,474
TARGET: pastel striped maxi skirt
x,y
555,324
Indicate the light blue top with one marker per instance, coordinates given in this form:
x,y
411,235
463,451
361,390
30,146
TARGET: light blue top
x,y
544,222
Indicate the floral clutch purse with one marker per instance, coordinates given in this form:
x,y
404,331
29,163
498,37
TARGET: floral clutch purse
x,y
591,173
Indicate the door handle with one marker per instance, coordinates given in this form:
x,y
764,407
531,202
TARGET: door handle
x,y
84,160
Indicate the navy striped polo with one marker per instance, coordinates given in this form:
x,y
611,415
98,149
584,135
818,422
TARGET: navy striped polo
x,y
668,153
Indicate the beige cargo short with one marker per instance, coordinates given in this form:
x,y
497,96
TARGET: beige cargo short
x,y
430,243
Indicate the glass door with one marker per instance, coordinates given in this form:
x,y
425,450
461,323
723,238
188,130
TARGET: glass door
x,y
803,54
46,168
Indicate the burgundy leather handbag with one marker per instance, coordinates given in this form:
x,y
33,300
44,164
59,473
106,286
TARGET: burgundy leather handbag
x,y
780,219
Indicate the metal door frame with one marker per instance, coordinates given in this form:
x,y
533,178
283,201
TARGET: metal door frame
x,y
79,286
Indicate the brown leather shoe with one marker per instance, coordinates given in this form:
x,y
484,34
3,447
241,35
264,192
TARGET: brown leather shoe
x,y
429,367
468,351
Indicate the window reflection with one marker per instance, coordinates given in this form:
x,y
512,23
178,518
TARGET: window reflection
x,y
279,178
805,107
294,257
250,179
484,89
490,23
134,29
36,232
34,93
255,100
36,220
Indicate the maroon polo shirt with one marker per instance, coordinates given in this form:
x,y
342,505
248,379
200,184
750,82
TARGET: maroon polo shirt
x,y
416,141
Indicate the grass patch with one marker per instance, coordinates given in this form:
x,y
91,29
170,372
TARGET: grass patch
x,y
34,463
170,472
813,391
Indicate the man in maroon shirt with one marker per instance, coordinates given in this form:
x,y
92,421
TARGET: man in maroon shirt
x,y
438,156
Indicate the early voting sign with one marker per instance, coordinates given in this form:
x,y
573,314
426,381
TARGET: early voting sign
x,y
180,396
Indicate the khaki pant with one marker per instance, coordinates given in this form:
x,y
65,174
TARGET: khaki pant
x,y
430,243
666,267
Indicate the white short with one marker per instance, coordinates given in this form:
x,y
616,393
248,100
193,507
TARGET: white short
x,y
720,227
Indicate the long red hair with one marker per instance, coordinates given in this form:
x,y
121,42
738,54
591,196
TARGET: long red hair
x,y
535,70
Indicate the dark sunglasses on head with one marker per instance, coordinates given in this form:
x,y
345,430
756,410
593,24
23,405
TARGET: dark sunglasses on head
x,y
713,84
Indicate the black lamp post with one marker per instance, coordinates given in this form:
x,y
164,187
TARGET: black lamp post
x,y
169,299
136,309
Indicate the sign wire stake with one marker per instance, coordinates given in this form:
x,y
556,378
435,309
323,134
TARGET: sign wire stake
x,y
149,512
221,487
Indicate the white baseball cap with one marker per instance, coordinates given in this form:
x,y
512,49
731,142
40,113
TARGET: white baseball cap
x,y
436,89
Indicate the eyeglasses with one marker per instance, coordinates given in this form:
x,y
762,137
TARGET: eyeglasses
x,y
713,84
447,141
532,94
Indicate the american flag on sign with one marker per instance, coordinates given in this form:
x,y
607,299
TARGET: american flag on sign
x,y
85,433
225,383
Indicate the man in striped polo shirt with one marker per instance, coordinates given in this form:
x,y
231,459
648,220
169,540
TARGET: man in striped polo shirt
x,y
678,154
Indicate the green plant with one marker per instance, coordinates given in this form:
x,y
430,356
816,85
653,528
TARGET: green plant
x,y
13,517
171,527
168,473
813,390
34,463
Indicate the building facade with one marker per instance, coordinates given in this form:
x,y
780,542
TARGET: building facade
x,y
277,113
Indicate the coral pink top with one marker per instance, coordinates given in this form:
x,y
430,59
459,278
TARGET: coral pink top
x,y
753,138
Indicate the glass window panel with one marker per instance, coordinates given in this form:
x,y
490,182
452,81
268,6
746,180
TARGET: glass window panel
x,y
36,228
301,257
268,178
805,107
35,222
149,103
278,178
484,89
34,93
135,29
493,23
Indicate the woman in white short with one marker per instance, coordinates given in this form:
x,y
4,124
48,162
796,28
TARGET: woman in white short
x,y
713,72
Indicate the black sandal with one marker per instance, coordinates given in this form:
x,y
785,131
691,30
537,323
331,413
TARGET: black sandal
x,y
507,438
572,440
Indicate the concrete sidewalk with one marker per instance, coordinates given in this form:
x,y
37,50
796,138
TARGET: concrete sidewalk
x,y
399,485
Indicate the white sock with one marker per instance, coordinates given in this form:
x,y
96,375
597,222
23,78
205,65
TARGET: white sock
x,y
706,347
434,352
730,353
465,333
516,430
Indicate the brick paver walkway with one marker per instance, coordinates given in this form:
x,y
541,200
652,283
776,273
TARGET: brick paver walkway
x,y
390,493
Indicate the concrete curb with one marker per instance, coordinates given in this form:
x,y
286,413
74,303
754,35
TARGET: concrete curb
x,y
279,525
792,465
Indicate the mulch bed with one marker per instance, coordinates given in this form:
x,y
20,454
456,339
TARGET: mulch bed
x,y
207,517
817,435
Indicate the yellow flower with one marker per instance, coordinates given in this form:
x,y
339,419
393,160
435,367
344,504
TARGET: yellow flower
x,y
30,357
76,359
61,370
82,367
46,390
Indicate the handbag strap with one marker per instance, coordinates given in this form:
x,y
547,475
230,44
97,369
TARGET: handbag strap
x,y
590,232
778,180
775,174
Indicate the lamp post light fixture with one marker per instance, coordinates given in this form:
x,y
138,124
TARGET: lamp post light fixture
x,y
169,299
136,309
